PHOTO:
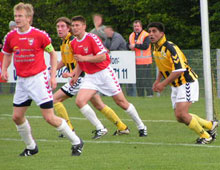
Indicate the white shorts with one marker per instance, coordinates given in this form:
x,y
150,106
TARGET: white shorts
x,y
36,88
72,90
188,92
105,82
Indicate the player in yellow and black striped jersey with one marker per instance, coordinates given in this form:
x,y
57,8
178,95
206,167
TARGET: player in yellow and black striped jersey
x,y
63,25
175,70
169,58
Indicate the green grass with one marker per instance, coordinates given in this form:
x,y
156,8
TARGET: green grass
x,y
169,145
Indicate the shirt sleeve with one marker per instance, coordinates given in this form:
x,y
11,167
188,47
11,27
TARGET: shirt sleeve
x,y
97,46
176,59
46,40
145,44
6,46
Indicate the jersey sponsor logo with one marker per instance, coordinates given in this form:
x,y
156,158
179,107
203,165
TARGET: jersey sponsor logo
x,y
30,41
16,50
86,49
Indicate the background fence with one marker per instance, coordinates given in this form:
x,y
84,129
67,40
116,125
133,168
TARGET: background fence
x,y
195,60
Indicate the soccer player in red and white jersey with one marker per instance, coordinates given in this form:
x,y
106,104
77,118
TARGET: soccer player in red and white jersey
x,y
93,59
27,44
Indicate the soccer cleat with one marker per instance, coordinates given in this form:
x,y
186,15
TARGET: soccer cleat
x,y
204,140
77,149
29,152
143,132
213,131
99,133
122,132
61,136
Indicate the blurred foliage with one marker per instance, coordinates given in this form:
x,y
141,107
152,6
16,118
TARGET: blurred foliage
x,y
181,17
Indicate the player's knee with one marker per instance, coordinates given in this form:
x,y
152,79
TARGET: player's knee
x,y
16,118
80,103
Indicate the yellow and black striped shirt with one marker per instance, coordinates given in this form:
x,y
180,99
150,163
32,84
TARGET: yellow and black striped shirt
x,y
67,53
168,58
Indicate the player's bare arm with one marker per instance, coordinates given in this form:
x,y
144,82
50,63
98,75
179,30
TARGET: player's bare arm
x,y
6,62
53,63
60,65
159,77
91,58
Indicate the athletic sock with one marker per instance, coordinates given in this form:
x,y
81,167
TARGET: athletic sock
x,y
60,110
134,115
91,116
196,127
25,132
71,135
112,116
204,123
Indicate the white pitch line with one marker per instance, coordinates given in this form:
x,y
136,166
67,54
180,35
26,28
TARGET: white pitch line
x,y
79,118
121,142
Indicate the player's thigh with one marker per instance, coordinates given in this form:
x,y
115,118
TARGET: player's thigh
x,y
83,96
59,96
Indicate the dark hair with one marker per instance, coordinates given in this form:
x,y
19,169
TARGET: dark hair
x,y
64,19
138,21
109,26
79,18
158,25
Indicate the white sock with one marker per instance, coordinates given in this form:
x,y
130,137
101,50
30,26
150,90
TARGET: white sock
x,y
25,132
134,115
91,116
66,130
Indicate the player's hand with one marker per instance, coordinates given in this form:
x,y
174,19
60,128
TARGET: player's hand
x,y
159,87
4,75
79,57
53,83
154,87
73,80
66,75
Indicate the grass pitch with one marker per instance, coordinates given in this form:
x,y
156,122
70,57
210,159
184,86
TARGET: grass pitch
x,y
169,145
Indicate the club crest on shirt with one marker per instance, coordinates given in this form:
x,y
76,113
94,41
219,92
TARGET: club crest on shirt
x,y
85,49
30,41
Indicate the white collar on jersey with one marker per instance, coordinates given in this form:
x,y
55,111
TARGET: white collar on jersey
x,y
25,31
82,37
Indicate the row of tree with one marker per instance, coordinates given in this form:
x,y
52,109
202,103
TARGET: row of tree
x,y
181,17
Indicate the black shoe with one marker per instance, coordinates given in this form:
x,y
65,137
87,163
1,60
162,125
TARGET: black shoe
x,y
213,131
121,132
204,140
29,152
99,133
143,132
61,136
77,149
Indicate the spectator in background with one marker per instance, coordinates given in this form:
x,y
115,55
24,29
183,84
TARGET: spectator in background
x,y
12,25
114,40
140,43
99,27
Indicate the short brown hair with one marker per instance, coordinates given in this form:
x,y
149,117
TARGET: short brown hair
x,y
79,18
138,21
64,19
